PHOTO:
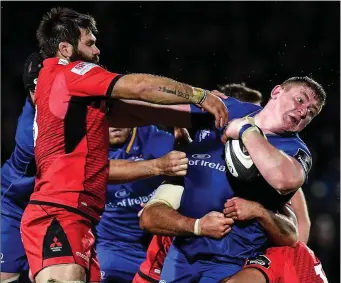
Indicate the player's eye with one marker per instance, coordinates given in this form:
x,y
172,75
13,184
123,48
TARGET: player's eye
x,y
299,99
311,113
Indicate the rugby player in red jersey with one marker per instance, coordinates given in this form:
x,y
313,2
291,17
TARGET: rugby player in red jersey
x,y
71,143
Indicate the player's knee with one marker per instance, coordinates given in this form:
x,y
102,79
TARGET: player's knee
x,y
9,277
62,273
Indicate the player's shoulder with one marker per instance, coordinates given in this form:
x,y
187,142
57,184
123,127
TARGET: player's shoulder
x,y
290,142
239,109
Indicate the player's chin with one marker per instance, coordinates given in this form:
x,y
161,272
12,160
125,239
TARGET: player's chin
x,y
96,59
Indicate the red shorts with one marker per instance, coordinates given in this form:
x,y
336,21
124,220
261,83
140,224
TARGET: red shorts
x,y
53,235
289,265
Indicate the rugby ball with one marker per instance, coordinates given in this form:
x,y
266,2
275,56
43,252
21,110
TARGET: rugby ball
x,y
239,162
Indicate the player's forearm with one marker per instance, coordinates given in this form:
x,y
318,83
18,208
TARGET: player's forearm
x,y
279,170
299,206
124,171
160,219
156,89
280,229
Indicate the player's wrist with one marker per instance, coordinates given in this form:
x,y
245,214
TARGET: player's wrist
x,y
259,212
198,95
156,167
196,229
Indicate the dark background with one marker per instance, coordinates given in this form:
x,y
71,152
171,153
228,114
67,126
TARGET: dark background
x,y
205,44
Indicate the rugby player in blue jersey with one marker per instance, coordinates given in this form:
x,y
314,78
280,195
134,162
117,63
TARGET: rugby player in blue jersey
x,y
17,181
121,245
283,160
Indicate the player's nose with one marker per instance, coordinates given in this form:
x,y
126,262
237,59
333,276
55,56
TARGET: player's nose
x,y
303,112
96,50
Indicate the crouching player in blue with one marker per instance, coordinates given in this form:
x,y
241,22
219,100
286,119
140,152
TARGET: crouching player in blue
x,y
17,181
121,244
282,159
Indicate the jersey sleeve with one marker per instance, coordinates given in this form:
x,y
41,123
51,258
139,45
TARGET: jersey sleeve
x,y
23,153
236,109
158,142
88,79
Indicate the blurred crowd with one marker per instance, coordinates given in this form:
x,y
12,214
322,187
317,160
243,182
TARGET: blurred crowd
x,y
209,44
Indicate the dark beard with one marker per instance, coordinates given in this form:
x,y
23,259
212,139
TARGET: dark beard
x,y
78,56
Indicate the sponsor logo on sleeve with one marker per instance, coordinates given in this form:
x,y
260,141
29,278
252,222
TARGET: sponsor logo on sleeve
x,y
304,159
82,68
259,260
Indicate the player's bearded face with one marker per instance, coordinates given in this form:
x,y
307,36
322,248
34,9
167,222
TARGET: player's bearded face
x,y
86,49
118,136
296,106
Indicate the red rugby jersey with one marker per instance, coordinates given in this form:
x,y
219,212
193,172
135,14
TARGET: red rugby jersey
x,y
71,135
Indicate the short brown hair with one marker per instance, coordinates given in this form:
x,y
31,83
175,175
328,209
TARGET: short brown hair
x,y
62,24
242,93
310,83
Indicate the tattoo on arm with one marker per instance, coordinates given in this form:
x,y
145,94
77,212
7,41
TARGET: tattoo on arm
x,y
179,93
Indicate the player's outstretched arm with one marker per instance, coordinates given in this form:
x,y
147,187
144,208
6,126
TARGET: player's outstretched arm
x,y
161,90
160,217
299,206
284,173
281,228
173,163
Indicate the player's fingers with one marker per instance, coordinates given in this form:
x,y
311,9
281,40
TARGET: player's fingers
x,y
229,209
179,167
227,221
181,173
219,94
232,215
183,161
224,138
228,229
178,154
229,203
216,214
224,115
217,120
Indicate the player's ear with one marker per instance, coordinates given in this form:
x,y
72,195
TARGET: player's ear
x,y
65,49
276,91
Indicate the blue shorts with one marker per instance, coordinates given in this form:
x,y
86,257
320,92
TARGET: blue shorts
x,y
119,264
13,257
177,269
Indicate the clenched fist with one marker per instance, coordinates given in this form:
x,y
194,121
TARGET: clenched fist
x,y
173,163
215,225
241,209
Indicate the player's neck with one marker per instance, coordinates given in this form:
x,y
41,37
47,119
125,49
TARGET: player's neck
x,y
265,121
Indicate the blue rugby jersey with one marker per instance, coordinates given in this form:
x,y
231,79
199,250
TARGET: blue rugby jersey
x,y
208,186
18,172
119,221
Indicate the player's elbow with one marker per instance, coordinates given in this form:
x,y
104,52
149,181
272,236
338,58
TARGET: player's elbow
x,y
285,183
